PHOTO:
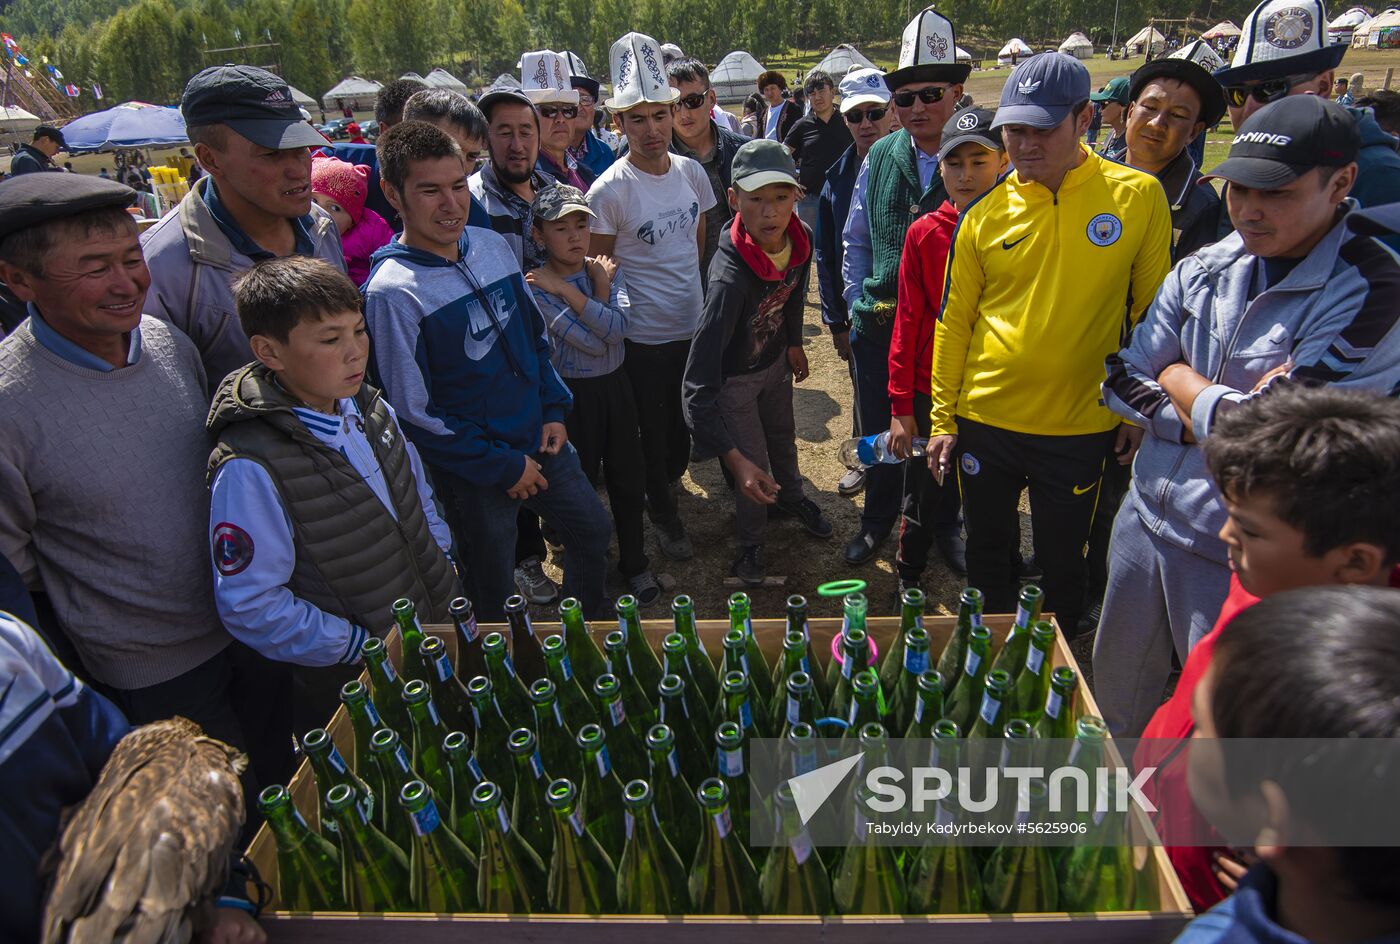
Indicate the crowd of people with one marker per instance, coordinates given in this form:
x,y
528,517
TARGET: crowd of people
x,y
337,375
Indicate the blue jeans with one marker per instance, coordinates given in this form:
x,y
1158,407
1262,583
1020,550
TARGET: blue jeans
x,y
884,484
483,523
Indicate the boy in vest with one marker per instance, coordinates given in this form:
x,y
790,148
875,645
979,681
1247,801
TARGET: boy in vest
x,y
971,158
748,350
321,516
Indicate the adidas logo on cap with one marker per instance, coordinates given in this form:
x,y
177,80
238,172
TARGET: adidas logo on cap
x,y
277,97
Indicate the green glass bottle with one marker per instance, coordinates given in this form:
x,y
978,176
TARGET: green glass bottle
x,y
582,879
510,693
676,713
638,703
868,880
966,696
574,703
602,791
390,769
529,815
737,706
875,752
650,876
466,774
800,749
911,616
411,636
906,684
797,621
364,721
731,767
1032,685
755,664
442,871
673,799
385,687
704,680
793,880
308,865
854,607
428,734
470,662
1012,656
526,656
1021,878
723,879
867,703
449,694
736,659
585,658
994,712
950,663
792,659
928,705
492,733
510,877
1097,872
556,741
855,658
1057,720
624,743
943,876
644,662
330,769
675,660
800,703
374,874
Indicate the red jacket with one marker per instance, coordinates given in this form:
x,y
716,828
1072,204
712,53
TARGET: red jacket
x,y
921,270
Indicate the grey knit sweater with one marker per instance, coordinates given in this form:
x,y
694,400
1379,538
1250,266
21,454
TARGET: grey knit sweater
x,y
103,503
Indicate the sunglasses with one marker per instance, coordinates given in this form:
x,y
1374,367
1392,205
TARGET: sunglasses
x,y
552,111
817,87
1264,92
693,102
926,95
855,116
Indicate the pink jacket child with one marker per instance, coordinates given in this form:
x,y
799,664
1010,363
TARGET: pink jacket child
x,y
340,188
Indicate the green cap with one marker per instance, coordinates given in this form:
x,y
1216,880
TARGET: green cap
x,y
761,162
1118,90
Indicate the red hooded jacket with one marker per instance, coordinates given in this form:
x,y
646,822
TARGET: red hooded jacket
x,y
921,273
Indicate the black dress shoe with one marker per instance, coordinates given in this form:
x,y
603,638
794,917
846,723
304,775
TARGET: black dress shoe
x,y
862,548
954,550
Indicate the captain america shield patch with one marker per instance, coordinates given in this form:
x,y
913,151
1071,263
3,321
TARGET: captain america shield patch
x,y
233,549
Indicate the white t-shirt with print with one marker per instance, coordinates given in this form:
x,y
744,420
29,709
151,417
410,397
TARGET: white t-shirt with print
x,y
654,219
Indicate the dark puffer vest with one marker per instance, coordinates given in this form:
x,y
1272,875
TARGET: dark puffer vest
x,y
353,559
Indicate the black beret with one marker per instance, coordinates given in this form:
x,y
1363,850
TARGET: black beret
x,y
31,199
1212,96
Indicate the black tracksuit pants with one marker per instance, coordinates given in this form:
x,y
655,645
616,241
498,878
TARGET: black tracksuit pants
x,y
928,507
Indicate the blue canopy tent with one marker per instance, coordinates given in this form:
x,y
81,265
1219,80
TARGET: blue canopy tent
x,y
129,125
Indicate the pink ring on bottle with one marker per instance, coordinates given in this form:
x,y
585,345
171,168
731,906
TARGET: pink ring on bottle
x,y
841,659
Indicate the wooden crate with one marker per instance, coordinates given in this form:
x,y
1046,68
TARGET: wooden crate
x,y
1130,927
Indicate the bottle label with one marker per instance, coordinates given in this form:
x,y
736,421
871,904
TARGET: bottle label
x,y
432,714
604,762
976,618
558,718
425,820
510,666
1053,701
972,662
336,762
722,822
945,815
794,710
672,763
748,627
299,819
744,662
1023,616
363,810
474,767
627,821
990,707
401,758
502,818
536,766
731,762
389,673
806,666
915,660
617,712
443,665
469,628
1035,658
918,709
745,714
372,715
622,627
566,667
801,846
576,821
476,718
846,664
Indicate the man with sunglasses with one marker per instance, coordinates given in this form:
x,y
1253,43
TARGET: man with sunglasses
x,y
585,146
696,135
865,108
816,141
898,183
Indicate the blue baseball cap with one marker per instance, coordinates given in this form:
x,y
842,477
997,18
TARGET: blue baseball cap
x,y
1042,90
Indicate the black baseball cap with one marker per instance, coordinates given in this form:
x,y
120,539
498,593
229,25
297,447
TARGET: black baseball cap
x,y
1189,73
31,199
970,124
1287,138
52,133
251,101
502,93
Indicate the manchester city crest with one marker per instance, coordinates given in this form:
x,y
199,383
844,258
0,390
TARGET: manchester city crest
x,y
1105,229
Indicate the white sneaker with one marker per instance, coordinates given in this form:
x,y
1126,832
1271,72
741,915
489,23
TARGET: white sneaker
x,y
532,583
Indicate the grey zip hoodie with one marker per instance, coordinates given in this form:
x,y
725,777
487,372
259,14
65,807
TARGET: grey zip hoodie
x,y
1333,317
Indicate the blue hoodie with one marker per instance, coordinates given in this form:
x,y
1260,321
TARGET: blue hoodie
x,y
461,353
1248,917
1377,167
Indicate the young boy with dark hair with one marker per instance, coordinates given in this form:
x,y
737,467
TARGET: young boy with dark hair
x,y
460,348
747,351
584,302
320,515
1339,646
1309,478
970,160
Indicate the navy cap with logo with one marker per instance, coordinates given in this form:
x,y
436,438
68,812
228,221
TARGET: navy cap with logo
x,y
1042,90
970,124
1287,138
252,102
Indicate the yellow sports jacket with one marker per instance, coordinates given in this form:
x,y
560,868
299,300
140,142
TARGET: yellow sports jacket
x,y
1042,287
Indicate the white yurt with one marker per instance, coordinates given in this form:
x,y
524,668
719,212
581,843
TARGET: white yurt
x,y
1382,31
301,98
1013,52
961,55
1341,29
733,79
841,60
1078,46
412,76
1141,39
355,90
1222,30
441,78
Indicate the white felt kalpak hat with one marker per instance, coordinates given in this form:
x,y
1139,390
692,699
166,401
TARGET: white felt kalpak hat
x,y
638,75
544,77
1283,38
928,52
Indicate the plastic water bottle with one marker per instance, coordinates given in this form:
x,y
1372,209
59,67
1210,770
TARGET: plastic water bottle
x,y
875,450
